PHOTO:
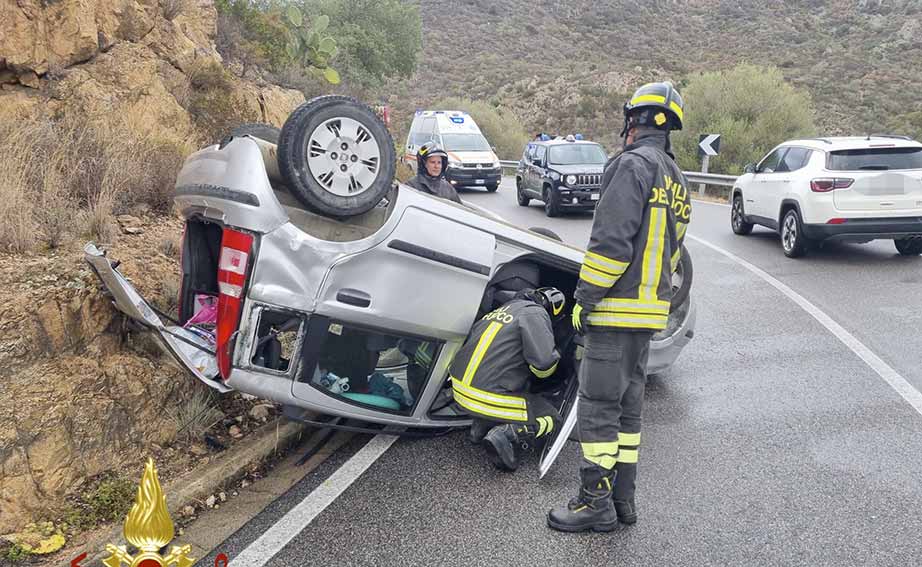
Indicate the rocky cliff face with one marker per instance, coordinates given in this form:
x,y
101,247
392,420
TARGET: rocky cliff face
x,y
74,402
97,55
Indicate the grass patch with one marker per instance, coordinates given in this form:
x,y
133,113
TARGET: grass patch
x,y
68,175
108,501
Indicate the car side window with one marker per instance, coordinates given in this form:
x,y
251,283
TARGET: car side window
x,y
771,162
540,153
794,159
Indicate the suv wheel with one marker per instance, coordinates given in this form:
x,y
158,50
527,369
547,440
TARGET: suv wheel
x,y
909,246
520,195
793,240
551,202
738,217
336,156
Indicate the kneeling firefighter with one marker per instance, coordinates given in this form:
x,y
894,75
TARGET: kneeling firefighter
x,y
431,163
622,298
491,372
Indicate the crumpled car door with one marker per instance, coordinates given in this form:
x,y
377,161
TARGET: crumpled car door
x,y
190,350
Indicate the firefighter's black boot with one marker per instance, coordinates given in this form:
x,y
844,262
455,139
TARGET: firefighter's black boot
x,y
592,509
505,444
623,493
478,430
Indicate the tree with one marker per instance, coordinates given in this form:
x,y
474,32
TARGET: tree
x,y
751,107
376,39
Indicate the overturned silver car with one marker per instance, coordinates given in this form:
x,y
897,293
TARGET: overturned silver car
x,y
353,317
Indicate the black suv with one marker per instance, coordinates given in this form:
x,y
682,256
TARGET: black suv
x,y
565,173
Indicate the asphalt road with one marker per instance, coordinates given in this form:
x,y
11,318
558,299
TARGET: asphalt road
x,y
768,443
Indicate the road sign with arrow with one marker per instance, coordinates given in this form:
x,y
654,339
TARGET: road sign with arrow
x,y
708,144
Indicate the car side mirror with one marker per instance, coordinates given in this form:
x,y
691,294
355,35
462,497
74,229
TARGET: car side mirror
x,y
749,168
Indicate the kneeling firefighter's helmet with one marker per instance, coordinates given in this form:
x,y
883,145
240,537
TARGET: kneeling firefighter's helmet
x,y
552,299
425,152
655,105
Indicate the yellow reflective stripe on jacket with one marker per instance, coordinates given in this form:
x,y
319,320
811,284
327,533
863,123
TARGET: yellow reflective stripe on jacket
x,y
604,264
622,305
488,410
628,320
488,397
629,439
604,454
542,373
674,261
486,339
596,277
652,267
680,229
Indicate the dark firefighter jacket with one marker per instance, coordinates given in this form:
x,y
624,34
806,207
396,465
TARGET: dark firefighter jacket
x,y
435,186
503,351
637,233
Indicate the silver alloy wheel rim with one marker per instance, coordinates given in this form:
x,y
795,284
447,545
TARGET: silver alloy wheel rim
x,y
789,232
343,156
737,214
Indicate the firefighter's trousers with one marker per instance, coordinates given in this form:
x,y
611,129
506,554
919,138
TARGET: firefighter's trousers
x,y
612,380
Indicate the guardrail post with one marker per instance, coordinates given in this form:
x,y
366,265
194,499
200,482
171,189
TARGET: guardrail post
x,y
705,160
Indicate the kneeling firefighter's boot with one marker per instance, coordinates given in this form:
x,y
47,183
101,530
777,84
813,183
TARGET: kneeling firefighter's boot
x,y
478,430
504,444
623,493
592,509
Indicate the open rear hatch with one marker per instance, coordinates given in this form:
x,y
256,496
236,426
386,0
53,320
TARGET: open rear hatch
x,y
191,349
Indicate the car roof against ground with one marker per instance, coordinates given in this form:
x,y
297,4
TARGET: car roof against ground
x,y
835,143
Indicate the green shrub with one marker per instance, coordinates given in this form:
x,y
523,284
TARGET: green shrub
x,y
752,108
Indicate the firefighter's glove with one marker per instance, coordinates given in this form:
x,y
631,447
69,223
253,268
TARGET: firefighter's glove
x,y
580,319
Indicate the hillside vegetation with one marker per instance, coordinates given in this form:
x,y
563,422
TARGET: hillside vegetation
x,y
568,65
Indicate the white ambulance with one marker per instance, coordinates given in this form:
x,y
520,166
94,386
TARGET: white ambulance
x,y
471,160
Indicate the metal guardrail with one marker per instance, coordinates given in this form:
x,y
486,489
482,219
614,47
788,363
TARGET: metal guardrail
x,y
691,176
710,178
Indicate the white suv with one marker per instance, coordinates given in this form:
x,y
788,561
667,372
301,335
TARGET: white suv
x,y
855,189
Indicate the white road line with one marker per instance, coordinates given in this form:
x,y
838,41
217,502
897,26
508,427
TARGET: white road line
x,y
884,370
291,524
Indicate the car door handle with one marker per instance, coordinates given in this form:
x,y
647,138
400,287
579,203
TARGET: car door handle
x,y
353,297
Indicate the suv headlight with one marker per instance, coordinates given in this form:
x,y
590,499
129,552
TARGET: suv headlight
x,y
453,163
571,180
496,164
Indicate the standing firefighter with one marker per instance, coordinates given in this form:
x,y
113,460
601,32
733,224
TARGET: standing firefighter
x,y
623,297
431,163
491,372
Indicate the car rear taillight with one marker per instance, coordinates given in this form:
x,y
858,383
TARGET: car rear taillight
x,y
836,221
827,184
232,274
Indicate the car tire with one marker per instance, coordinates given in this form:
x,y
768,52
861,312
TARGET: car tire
x,y
492,187
793,241
546,232
551,203
738,217
337,156
908,246
521,198
266,132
